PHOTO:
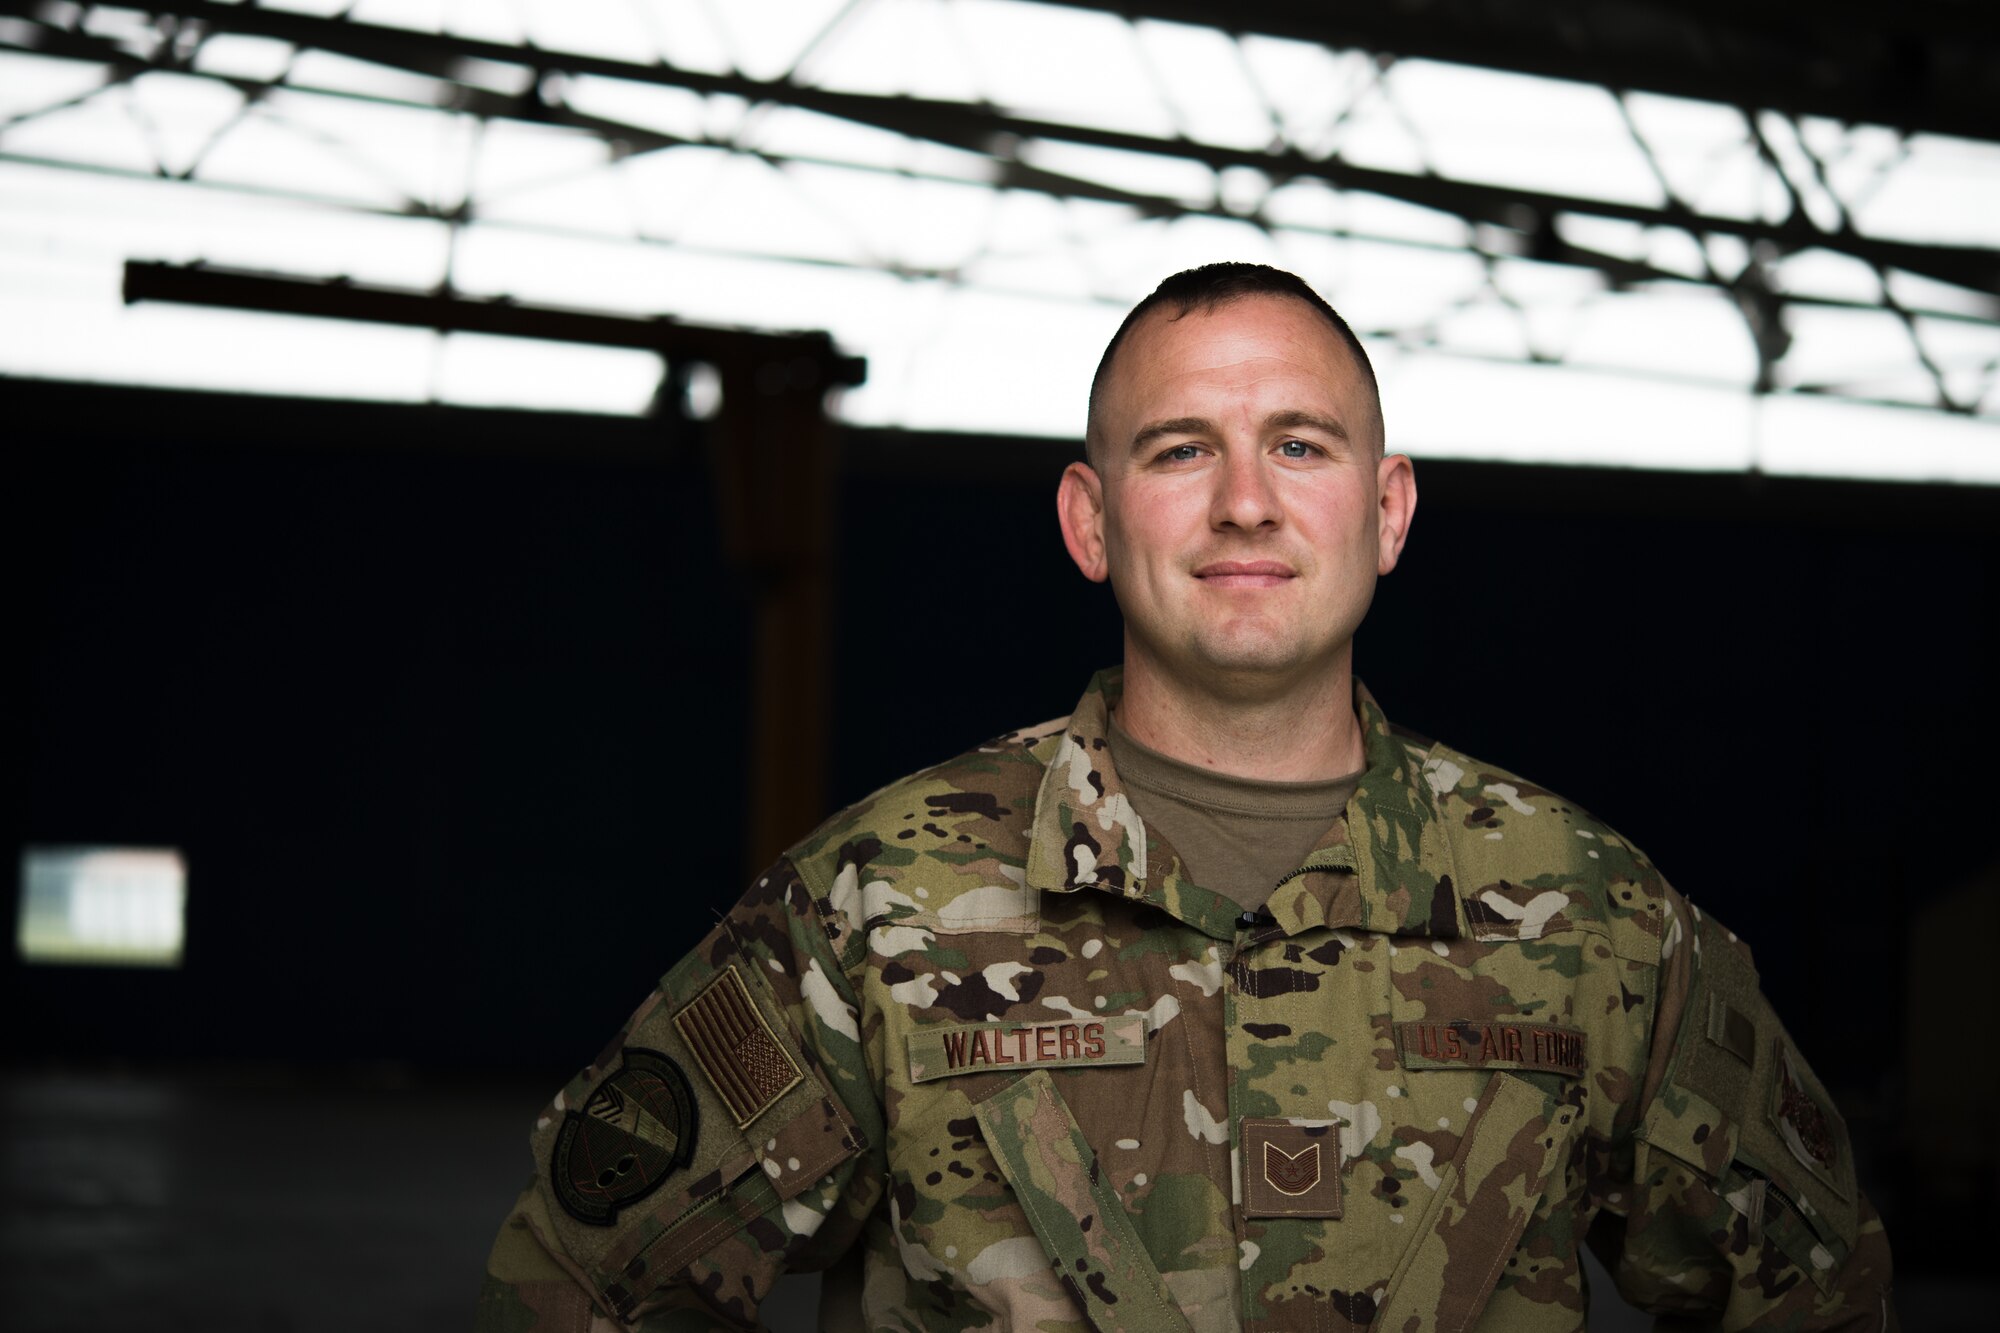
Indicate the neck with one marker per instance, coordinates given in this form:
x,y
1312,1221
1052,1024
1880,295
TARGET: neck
x,y
1302,732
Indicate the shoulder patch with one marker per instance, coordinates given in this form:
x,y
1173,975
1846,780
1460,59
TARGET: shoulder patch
x,y
637,1128
747,1064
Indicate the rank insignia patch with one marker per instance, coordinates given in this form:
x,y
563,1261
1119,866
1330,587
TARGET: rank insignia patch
x,y
1291,1168
636,1129
1291,1174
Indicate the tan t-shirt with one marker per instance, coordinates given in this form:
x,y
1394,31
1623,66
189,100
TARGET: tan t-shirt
x,y
1236,836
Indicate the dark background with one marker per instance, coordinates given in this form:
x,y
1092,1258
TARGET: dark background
x,y
446,709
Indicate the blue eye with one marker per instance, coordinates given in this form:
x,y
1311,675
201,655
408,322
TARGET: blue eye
x,y
1181,453
1296,449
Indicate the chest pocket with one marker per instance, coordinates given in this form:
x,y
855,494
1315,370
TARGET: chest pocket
x,y
1081,1223
1488,1027
1485,1195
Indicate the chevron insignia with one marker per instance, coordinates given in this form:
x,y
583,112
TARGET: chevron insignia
x,y
1291,1174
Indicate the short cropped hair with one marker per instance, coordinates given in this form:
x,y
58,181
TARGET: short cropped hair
x,y
1211,286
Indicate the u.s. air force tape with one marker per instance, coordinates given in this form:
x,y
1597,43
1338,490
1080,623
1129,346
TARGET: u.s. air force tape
x,y
981,1048
1491,1044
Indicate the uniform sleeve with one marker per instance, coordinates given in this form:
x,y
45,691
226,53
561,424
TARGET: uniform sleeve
x,y
728,1134
1743,1210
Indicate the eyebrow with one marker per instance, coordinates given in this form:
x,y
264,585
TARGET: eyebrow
x,y
1291,419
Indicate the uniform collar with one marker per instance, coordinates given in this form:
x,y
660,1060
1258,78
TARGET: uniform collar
x,y
1386,868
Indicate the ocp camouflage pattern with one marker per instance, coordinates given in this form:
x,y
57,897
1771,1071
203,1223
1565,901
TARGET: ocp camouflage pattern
x,y
1346,1054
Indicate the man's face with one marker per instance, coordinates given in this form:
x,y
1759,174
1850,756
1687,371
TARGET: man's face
x,y
1238,506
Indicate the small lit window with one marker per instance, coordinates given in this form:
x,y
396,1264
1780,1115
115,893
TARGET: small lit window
x,y
121,906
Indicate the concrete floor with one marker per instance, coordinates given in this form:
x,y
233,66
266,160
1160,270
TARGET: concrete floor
x,y
276,1202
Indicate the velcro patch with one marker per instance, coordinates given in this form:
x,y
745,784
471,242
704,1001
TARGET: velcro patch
x,y
1291,1168
1731,1029
744,1060
636,1129
1465,1043
979,1048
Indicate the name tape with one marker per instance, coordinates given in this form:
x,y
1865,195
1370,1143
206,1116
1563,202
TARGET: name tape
x,y
978,1048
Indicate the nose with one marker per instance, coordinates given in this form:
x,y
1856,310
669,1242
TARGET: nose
x,y
1244,496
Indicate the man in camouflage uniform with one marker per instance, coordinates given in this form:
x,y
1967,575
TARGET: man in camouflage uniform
x,y
1030,1040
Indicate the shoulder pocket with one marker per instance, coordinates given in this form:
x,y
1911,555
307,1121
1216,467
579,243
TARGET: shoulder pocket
x,y
707,1114
1745,1111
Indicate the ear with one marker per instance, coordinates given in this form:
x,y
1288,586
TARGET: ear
x,y
1080,510
1396,498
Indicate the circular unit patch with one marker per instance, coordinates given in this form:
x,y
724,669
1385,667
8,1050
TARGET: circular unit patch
x,y
637,1128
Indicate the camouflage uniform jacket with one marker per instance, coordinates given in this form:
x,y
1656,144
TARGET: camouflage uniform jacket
x,y
981,1036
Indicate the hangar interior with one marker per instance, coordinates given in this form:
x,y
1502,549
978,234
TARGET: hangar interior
x,y
488,476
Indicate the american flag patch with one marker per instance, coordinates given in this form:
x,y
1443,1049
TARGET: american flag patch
x,y
746,1064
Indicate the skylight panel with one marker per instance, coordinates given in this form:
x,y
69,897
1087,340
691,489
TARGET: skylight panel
x,y
1967,354
1206,84
594,197
494,76
1075,66
1515,129
1921,293
1383,286
1816,437
1380,217
1530,282
665,187
1825,274
1176,244
1374,132
238,57
1310,87
30,83
678,112
614,30
1042,381
1484,329
1684,331
764,40
1801,173
1155,175
1947,192
684,33
338,73
515,159
1057,272
754,208
1869,350
910,47
132,29
484,371
1703,151
796,132
911,223
1667,248
481,19
187,347
388,155
100,131
373,11
181,116
1464,407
